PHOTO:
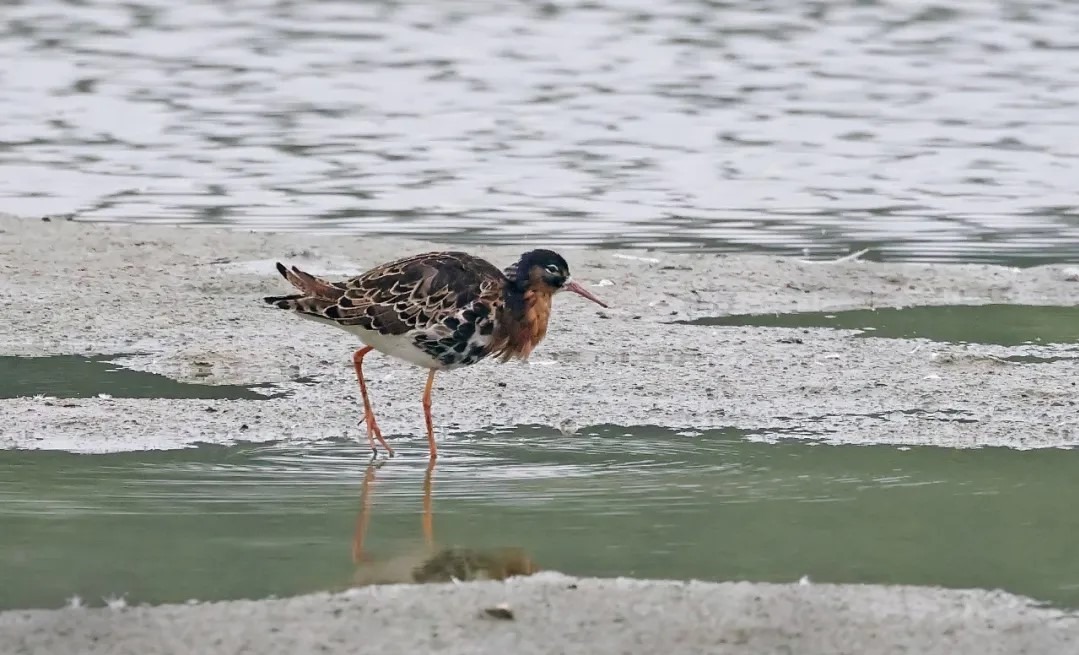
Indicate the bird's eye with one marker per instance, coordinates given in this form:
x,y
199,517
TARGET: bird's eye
x,y
553,269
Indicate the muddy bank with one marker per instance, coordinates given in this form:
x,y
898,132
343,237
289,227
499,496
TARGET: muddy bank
x,y
557,614
186,303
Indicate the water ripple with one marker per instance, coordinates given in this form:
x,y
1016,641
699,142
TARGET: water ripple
x,y
928,132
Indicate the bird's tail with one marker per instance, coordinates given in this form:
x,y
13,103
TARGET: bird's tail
x,y
317,294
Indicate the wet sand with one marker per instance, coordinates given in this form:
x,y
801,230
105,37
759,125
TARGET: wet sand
x,y
558,614
188,300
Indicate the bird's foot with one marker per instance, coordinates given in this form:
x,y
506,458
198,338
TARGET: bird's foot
x,y
373,432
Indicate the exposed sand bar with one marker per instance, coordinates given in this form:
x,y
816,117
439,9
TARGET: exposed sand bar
x,y
185,298
558,614
188,300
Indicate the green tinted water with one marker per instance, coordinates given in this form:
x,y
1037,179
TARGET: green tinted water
x,y
74,376
1007,325
252,520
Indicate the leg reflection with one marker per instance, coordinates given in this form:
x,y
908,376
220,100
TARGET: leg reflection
x,y
364,517
431,564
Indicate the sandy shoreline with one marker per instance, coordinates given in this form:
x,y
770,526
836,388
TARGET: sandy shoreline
x,y
559,614
185,297
181,297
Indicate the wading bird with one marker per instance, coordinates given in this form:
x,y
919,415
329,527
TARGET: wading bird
x,y
437,310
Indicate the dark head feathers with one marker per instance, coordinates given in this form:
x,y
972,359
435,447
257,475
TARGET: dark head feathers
x,y
518,271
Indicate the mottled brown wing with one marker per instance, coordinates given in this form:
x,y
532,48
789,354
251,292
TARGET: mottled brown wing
x,y
415,292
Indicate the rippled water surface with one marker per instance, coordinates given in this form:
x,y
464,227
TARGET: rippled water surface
x,y
251,520
924,130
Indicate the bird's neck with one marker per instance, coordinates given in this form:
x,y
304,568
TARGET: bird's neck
x,y
523,323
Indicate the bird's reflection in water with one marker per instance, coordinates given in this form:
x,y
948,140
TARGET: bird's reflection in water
x,y
431,563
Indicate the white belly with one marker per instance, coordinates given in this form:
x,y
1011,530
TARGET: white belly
x,y
400,346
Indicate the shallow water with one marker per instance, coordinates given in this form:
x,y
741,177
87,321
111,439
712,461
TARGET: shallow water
x,y
75,376
251,520
926,131
1005,325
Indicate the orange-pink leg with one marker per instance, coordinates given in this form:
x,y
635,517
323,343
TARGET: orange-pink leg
x,y
369,416
432,448
428,514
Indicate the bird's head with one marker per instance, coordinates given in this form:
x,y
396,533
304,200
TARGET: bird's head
x,y
546,271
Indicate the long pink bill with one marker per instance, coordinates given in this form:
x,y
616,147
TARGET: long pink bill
x,y
584,293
